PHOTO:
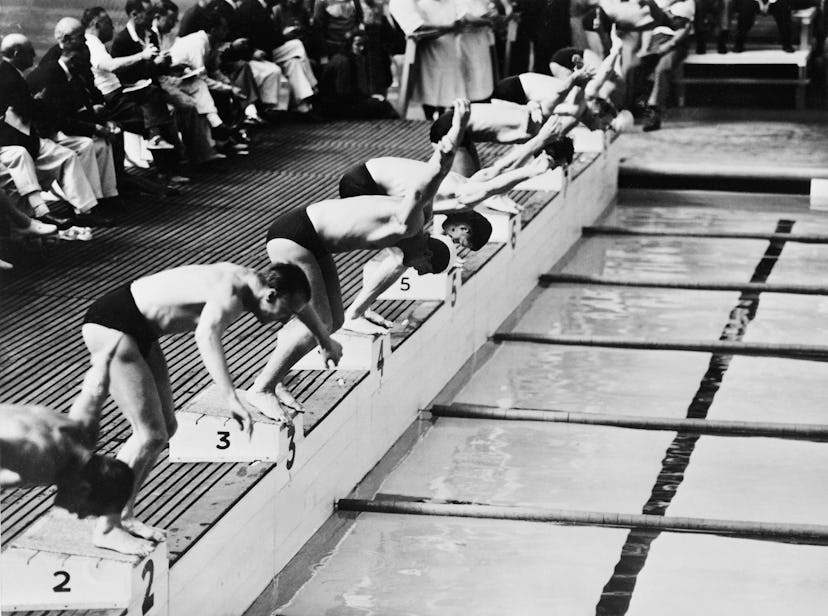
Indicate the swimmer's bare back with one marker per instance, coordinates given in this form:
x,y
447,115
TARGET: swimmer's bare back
x,y
172,300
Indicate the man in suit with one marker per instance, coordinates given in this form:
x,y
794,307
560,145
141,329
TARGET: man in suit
x,y
69,106
44,159
138,35
266,73
254,21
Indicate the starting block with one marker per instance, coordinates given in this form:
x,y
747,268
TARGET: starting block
x,y
411,286
54,566
554,180
208,433
359,352
819,194
586,140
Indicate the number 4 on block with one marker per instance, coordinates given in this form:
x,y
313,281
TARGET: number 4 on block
x,y
54,566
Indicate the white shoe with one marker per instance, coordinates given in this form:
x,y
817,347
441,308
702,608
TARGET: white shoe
x,y
36,227
5,265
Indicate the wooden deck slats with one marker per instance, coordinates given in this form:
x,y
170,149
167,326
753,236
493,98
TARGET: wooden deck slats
x,y
222,216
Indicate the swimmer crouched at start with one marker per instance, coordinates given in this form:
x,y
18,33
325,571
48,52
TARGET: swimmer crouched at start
x,y
204,299
41,447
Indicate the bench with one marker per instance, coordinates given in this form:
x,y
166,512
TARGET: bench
x,y
762,57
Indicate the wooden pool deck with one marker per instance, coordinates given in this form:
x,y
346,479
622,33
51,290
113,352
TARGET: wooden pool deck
x,y
222,216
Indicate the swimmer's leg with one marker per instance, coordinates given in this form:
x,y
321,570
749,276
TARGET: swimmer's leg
x,y
295,339
133,388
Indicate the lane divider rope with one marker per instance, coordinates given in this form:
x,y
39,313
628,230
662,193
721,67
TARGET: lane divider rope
x,y
786,430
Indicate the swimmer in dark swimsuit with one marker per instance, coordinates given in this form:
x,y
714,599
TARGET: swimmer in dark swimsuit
x,y
204,299
456,198
309,237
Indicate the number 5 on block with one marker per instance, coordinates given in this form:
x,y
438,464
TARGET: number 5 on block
x,y
54,566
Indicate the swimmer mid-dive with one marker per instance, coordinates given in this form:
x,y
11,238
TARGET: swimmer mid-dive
x,y
204,299
308,237
41,447
456,197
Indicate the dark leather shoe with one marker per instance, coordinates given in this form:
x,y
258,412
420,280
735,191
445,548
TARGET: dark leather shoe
x,y
60,222
92,219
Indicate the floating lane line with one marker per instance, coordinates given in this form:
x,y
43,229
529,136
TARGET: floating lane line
x,y
698,426
804,533
693,285
803,238
722,347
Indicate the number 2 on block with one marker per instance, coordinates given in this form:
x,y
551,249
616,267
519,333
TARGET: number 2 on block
x,y
63,585
149,597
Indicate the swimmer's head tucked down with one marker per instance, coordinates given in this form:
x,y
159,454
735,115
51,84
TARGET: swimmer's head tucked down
x,y
603,110
562,151
285,291
468,229
100,487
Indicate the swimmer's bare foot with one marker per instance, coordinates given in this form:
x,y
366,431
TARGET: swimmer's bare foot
x,y
144,531
378,319
459,122
116,538
287,399
268,404
361,325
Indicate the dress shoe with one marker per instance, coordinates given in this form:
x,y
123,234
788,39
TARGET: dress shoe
x,y
652,120
60,222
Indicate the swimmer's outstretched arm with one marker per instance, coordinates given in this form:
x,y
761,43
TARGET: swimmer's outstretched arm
x,y
474,192
554,128
607,67
216,316
86,408
419,197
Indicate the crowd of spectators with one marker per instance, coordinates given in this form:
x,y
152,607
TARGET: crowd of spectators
x,y
192,82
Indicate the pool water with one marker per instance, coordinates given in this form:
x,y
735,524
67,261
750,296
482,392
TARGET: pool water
x,y
389,564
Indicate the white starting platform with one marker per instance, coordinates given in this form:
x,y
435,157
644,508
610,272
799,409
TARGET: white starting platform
x,y
411,286
590,141
760,57
54,566
359,352
208,433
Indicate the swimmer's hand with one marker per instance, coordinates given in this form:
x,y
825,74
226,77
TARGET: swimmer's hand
x,y
268,404
331,353
241,415
582,76
540,164
617,41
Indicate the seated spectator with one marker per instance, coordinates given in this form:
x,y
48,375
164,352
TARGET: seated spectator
x,y
69,109
138,108
712,16
193,51
134,38
227,66
39,158
381,40
782,14
254,21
